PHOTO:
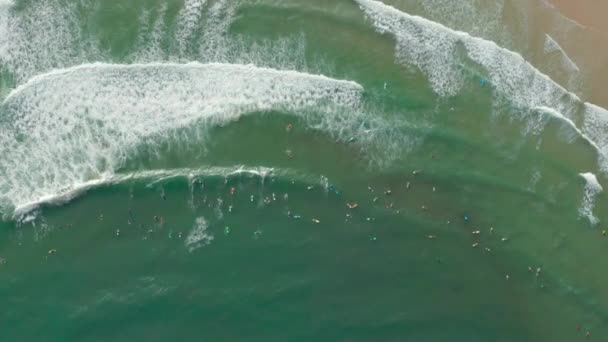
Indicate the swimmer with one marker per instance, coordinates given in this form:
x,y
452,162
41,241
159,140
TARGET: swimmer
x,y
289,128
232,191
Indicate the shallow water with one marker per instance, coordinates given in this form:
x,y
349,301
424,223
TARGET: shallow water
x,y
288,170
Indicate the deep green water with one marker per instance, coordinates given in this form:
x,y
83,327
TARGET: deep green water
x,y
181,200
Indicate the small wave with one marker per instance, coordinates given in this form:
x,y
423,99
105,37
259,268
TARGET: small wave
x,y
63,196
592,189
552,46
77,126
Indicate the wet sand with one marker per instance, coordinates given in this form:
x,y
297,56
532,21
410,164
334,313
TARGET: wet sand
x,y
589,45
589,13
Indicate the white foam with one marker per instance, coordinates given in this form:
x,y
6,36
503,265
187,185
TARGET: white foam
x,y
188,22
71,128
592,189
595,126
480,18
4,37
148,46
43,35
434,49
199,236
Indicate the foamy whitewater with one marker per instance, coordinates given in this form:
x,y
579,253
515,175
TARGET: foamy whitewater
x,y
435,50
68,128
198,235
592,190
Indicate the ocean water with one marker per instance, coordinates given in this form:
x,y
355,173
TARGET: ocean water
x,y
346,170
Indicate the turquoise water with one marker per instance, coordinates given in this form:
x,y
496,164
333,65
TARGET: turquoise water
x,y
289,170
